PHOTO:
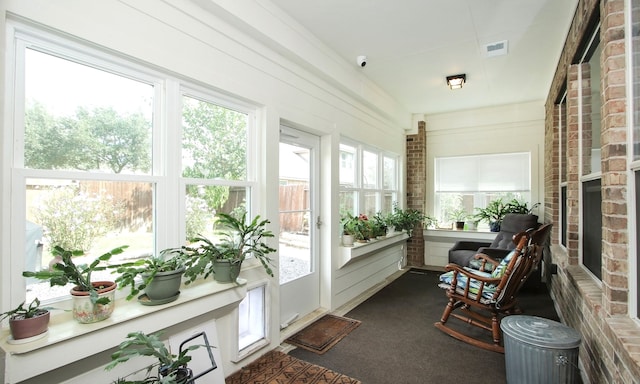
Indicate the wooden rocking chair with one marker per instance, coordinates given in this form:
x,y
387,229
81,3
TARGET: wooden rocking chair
x,y
482,299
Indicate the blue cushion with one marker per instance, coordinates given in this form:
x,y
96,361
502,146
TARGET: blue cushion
x,y
474,287
501,268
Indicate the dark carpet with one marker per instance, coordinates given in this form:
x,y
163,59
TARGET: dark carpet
x,y
323,333
398,343
279,368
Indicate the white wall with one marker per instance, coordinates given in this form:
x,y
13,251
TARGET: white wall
x,y
245,48
507,128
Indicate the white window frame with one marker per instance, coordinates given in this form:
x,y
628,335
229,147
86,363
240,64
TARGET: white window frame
x,y
358,187
480,198
169,192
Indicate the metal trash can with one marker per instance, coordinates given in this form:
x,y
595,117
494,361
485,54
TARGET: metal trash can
x,y
539,350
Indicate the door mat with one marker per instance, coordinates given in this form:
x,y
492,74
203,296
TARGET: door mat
x,y
323,334
278,367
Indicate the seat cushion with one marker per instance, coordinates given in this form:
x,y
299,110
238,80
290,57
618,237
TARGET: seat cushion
x,y
474,286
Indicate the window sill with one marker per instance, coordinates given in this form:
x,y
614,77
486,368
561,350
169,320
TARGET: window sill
x,y
459,234
71,341
361,250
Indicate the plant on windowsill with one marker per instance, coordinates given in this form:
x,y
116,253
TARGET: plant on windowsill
x,y
158,276
496,210
407,220
223,259
459,216
379,226
92,300
356,227
27,322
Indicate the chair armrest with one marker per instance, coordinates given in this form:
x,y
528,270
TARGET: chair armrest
x,y
483,259
469,245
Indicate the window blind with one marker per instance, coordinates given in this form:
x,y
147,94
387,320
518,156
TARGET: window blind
x,y
506,172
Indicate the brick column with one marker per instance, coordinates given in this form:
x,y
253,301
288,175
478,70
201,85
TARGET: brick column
x,y
615,260
416,186
573,160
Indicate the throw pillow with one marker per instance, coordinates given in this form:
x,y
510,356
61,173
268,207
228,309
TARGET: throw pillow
x,y
501,268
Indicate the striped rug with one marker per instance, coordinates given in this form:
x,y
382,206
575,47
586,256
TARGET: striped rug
x,y
280,368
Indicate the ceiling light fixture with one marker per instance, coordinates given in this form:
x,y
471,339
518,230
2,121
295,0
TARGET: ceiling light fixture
x,y
456,81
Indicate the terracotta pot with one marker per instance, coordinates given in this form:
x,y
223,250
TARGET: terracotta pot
x,y
22,328
84,311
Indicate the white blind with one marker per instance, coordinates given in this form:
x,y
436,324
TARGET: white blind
x,y
505,172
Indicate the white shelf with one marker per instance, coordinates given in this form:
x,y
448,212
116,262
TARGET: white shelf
x,y
453,235
69,341
362,250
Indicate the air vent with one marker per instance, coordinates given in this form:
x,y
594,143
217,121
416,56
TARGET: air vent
x,y
496,49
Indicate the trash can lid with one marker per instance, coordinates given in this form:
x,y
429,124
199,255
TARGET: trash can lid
x,y
540,332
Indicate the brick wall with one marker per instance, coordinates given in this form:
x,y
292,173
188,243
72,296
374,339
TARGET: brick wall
x,y
416,186
610,348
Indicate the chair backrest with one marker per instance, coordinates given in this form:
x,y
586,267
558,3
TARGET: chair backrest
x,y
529,249
513,223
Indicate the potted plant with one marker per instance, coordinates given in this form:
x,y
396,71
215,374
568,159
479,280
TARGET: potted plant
x,y
521,207
497,209
171,368
159,277
459,216
27,322
354,228
406,220
223,259
379,225
92,300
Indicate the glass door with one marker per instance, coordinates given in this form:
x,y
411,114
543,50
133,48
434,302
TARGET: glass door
x,y
298,242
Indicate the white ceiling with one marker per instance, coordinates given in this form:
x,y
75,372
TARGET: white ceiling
x,y
412,45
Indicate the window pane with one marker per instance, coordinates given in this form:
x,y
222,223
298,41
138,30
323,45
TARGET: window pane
x,y
564,132
348,202
447,202
81,118
387,202
389,173
203,202
596,103
371,203
369,169
92,216
347,165
592,226
564,217
214,141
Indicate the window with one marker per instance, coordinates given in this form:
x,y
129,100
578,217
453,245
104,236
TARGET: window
x,y
563,134
100,162
469,182
368,179
214,161
589,104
